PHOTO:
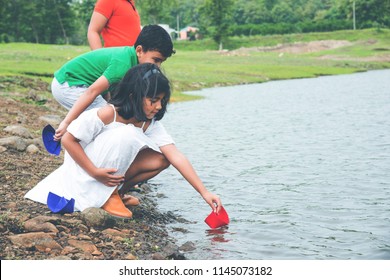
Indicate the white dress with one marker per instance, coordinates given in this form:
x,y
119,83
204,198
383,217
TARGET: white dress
x,y
108,146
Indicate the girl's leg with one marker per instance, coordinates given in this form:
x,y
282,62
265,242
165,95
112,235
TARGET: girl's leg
x,y
147,164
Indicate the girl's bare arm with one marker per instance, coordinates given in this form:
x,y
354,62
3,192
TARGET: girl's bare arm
x,y
183,165
81,104
103,175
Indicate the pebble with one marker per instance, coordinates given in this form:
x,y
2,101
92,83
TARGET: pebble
x,y
32,149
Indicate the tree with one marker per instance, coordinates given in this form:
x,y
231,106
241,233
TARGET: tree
x,y
185,13
372,13
369,13
218,15
83,11
251,12
38,21
283,13
155,11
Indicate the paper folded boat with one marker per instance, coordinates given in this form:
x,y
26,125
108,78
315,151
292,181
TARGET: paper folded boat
x,y
59,204
52,146
217,220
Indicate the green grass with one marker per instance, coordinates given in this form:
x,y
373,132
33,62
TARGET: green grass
x,y
196,65
34,59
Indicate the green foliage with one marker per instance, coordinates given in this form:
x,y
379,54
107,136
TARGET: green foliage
x,y
38,21
216,19
83,12
155,11
66,21
284,28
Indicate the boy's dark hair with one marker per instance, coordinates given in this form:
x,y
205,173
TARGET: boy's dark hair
x,y
155,38
143,80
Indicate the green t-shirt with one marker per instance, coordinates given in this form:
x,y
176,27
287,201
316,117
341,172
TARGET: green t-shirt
x,y
85,69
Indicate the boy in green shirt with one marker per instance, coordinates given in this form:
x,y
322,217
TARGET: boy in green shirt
x,y
80,83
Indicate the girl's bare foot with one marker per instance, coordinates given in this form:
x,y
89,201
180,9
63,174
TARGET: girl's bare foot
x,y
129,200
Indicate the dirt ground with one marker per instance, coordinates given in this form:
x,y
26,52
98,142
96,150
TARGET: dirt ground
x,y
308,47
313,46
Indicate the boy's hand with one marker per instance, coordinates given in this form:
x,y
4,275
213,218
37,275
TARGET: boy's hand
x,y
60,131
106,176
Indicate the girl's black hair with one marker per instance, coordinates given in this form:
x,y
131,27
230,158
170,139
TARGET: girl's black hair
x,y
143,80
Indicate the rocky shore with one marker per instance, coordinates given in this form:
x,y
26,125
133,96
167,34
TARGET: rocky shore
x,y
30,231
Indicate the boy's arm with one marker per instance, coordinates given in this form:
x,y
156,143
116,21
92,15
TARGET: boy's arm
x,y
103,175
183,165
81,104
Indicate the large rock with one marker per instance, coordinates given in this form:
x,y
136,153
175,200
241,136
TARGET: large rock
x,y
85,246
97,217
39,240
18,130
41,223
14,142
53,120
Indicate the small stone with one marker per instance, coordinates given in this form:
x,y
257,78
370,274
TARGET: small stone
x,y
67,250
130,257
158,256
32,149
96,253
84,237
188,246
85,246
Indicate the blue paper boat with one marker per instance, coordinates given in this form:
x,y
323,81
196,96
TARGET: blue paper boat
x,y
59,204
52,146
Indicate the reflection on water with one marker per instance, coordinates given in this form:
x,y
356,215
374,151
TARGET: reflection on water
x,y
214,239
302,167
218,234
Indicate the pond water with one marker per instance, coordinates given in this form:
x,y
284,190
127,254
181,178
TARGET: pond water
x,y
302,167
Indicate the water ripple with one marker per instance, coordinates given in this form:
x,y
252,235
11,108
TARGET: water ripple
x,y
302,166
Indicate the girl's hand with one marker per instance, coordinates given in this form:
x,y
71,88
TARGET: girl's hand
x,y
107,177
60,131
213,200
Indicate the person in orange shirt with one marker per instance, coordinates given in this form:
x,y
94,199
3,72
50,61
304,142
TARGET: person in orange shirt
x,y
116,21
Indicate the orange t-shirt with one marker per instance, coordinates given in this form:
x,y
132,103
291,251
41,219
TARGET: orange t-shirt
x,y
123,25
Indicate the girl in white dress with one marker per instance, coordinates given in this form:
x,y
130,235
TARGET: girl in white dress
x,y
110,149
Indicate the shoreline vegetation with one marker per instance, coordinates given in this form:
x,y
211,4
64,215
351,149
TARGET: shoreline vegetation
x,y
30,231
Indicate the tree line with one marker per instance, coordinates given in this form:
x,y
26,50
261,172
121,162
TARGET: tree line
x,y
66,21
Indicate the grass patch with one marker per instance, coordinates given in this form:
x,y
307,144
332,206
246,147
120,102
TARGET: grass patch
x,y
196,65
